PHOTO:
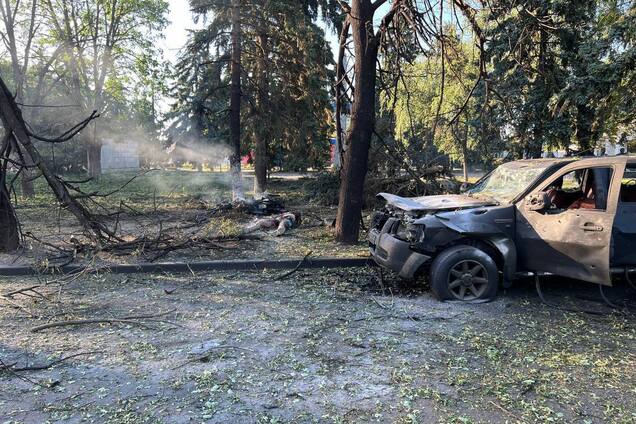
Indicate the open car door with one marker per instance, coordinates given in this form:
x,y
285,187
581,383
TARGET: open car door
x,y
572,235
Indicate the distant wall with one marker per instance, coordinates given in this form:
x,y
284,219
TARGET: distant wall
x,y
120,156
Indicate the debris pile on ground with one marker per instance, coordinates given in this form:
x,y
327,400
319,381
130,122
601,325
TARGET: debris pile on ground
x,y
323,189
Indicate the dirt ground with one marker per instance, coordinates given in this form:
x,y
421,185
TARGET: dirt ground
x,y
327,346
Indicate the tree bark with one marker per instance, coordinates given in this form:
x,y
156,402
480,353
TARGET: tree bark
x,y
11,118
235,104
261,133
362,123
465,162
19,68
534,149
9,232
94,159
9,235
340,93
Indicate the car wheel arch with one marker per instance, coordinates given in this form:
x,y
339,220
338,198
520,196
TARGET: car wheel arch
x,y
465,255
501,249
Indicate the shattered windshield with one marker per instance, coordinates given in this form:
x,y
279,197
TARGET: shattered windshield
x,y
508,181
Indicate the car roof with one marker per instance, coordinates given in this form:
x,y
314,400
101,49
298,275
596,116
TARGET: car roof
x,y
591,160
538,163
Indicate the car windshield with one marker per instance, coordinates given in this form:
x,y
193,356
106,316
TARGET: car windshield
x,y
508,181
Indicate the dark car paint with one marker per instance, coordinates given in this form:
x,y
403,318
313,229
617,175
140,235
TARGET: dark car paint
x,y
623,235
496,226
574,243
493,225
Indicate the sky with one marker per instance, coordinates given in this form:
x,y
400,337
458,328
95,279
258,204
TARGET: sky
x,y
176,34
180,18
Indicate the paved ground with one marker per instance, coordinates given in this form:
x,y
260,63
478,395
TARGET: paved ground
x,y
320,346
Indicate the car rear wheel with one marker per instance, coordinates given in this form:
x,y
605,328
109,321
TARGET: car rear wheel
x,y
464,273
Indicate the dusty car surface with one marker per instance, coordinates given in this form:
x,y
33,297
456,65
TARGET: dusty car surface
x,y
568,217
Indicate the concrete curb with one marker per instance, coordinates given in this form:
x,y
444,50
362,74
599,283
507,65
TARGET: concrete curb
x,y
185,267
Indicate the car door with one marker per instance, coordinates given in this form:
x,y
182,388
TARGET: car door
x,y
571,242
624,232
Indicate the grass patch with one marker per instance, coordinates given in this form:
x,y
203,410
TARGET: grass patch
x,y
146,191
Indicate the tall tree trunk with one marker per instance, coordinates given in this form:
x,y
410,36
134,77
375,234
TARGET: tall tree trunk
x,y
9,235
260,163
11,118
462,140
235,104
362,123
340,76
465,162
26,177
94,160
94,145
261,133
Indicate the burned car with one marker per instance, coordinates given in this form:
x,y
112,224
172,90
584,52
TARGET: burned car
x,y
568,217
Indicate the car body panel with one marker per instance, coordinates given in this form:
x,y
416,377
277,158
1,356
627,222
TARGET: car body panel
x,y
395,254
428,203
574,243
624,231
493,225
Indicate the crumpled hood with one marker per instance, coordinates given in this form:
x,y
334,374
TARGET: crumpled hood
x,y
433,203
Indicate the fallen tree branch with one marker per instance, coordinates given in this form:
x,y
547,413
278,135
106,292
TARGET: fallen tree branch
x,y
50,364
20,291
121,320
66,136
289,273
13,123
205,357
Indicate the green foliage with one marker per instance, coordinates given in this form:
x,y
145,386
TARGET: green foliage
x,y
90,55
323,189
561,72
288,104
434,104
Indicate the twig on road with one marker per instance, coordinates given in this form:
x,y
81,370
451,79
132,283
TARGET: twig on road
x,y
289,273
135,320
46,366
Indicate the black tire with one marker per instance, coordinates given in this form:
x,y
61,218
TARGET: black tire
x,y
464,273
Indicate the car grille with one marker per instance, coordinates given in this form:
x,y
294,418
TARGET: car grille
x,y
379,219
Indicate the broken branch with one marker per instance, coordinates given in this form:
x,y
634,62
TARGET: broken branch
x,y
289,273
122,320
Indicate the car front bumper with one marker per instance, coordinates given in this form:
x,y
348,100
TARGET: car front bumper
x,y
393,253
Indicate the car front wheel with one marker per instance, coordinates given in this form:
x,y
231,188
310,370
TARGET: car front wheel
x,y
464,273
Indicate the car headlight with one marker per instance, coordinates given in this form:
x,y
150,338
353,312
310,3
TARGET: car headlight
x,y
414,232
409,232
400,231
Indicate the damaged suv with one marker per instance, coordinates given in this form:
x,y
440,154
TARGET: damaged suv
x,y
569,217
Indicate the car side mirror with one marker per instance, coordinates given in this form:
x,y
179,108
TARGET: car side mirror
x,y
538,202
